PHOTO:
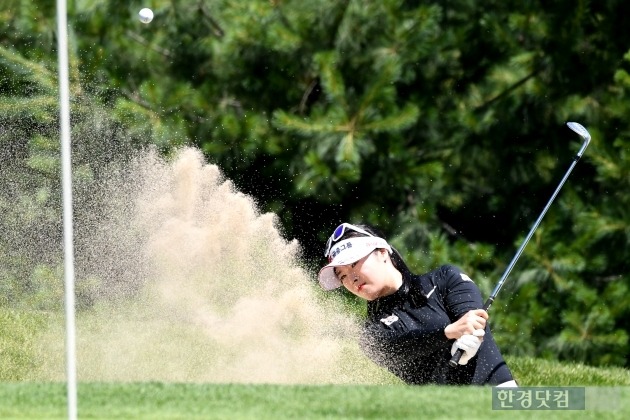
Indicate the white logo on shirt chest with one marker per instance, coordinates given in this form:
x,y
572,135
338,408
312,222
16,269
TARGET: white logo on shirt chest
x,y
389,320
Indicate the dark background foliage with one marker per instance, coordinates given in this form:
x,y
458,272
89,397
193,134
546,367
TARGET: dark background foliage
x,y
440,122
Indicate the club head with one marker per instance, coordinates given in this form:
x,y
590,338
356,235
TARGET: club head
x,y
583,132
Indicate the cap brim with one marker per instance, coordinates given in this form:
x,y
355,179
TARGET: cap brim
x,y
328,279
347,252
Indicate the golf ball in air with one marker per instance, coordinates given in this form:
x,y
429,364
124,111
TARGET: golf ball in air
x,y
145,15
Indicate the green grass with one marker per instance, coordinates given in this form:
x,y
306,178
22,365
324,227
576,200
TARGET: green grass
x,y
235,401
537,372
607,397
18,332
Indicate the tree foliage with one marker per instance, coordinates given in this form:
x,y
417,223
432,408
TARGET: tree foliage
x,y
440,122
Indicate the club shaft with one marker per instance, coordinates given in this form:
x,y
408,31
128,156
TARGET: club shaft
x,y
458,354
509,268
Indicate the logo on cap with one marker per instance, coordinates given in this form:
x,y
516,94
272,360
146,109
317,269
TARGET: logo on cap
x,y
338,249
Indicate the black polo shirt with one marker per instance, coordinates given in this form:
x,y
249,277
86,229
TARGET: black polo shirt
x,y
405,331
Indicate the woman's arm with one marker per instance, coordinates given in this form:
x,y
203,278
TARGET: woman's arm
x,y
462,301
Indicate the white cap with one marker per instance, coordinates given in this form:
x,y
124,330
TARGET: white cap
x,y
346,252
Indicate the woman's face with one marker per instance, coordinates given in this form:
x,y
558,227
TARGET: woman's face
x,y
371,277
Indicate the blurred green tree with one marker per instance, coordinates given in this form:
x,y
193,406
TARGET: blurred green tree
x,y
440,122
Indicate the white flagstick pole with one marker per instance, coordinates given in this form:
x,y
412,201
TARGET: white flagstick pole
x,y
66,175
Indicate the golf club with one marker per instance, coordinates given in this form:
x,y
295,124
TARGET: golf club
x,y
579,129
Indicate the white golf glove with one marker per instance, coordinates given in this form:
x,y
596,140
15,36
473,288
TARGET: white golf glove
x,y
470,344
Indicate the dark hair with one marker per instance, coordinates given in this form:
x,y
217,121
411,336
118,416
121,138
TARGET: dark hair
x,y
396,258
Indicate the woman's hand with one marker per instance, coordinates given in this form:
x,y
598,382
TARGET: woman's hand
x,y
467,324
470,344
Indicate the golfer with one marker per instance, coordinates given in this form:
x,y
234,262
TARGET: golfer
x,y
414,322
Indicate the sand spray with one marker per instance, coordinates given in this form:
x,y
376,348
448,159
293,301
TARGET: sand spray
x,y
190,282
